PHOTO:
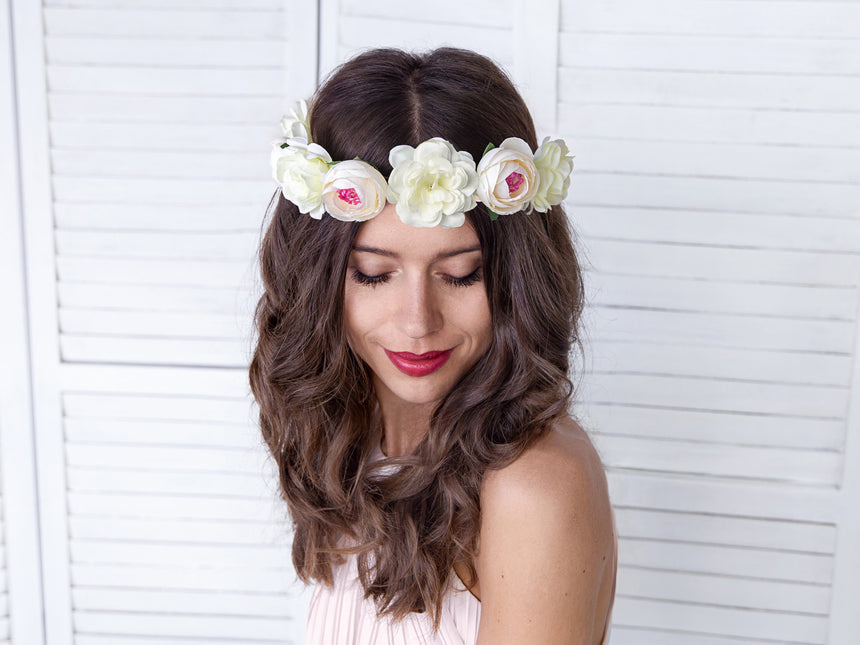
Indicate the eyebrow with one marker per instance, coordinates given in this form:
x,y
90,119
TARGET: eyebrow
x,y
392,254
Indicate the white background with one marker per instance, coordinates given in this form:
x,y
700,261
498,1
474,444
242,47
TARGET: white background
x,y
716,198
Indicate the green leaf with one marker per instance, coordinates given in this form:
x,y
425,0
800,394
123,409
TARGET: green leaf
x,y
489,147
493,215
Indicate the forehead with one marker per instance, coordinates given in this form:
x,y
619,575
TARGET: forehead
x,y
386,231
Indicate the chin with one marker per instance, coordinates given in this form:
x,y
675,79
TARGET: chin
x,y
420,396
417,391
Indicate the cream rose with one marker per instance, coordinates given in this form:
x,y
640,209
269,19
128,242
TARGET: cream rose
x,y
554,165
508,178
300,169
433,184
354,191
296,124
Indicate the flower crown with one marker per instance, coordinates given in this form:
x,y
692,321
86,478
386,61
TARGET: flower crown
x,y
431,185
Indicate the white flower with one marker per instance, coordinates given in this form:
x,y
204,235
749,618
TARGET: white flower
x,y
296,124
554,165
300,169
354,191
508,177
433,184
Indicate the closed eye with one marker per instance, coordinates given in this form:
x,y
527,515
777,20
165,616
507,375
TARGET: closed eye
x,y
465,281
374,280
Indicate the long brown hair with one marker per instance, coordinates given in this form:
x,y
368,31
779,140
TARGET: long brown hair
x,y
316,398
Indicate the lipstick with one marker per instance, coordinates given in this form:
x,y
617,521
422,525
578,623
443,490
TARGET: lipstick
x,y
418,364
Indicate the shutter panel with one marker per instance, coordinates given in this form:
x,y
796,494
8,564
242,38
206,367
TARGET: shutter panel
x,y
716,191
21,607
161,116
348,26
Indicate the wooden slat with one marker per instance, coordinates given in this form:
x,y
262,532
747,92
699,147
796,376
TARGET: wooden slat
x,y
360,32
236,479
477,13
711,394
156,508
829,272
167,4
626,635
292,637
739,195
189,24
167,52
679,292
183,602
229,273
710,528
826,20
752,91
190,164
161,433
722,329
137,324
173,298
209,218
198,138
727,53
758,564
149,351
714,426
181,459
812,467
215,626
141,379
81,106
671,127
154,554
700,494
263,580
790,240
720,362
783,627
722,591
181,530
149,81
199,409
226,245
676,154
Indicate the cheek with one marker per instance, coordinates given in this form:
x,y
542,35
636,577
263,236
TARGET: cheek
x,y
476,317
360,315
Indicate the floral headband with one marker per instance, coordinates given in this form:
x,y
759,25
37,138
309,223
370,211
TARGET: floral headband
x,y
431,185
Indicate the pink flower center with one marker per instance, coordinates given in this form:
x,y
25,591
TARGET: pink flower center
x,y
514,181
349,196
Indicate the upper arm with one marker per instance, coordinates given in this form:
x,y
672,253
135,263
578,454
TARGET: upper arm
x,y
546,544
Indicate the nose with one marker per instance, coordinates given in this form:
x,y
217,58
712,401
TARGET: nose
x,y
420,313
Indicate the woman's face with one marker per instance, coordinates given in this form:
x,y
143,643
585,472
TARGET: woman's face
x,y
412,291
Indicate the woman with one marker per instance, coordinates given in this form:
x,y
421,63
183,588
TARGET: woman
x,y
411,367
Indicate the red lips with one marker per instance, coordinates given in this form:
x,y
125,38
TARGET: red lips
x,y
418,364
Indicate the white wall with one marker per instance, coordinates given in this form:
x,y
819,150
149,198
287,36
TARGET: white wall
x,y
716,202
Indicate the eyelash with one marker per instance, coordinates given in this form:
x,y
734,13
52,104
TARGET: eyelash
x,y
374,280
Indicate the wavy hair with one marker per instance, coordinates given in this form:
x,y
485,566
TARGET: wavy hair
x,y
318,411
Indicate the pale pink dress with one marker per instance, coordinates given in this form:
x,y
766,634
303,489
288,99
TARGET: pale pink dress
x,y
339,615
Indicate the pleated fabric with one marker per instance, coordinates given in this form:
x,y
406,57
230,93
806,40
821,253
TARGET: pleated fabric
x,y
340,615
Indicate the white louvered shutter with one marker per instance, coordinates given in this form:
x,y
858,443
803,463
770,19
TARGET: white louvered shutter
x,y
20,574
715,200
716,188
161,517
715,192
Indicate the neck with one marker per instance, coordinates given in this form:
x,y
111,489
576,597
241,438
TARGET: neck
x,y
404,424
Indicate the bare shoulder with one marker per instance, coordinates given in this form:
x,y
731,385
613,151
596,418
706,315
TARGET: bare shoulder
x,y
561,467
546,561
